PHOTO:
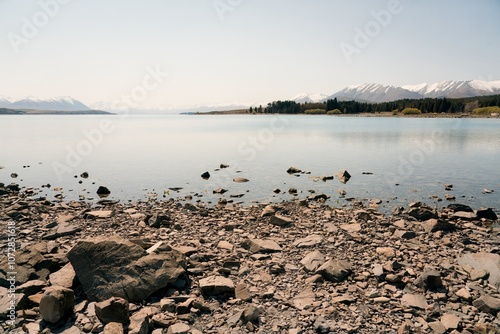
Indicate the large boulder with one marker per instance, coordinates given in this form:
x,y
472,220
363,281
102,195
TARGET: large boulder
x,y
113,267
483,261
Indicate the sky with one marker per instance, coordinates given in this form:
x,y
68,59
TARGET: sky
x,y
213,52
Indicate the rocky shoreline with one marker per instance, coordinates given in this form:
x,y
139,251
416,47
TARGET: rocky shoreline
x,y
295,267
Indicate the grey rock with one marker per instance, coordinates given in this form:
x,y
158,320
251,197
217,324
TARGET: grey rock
x,y
112,267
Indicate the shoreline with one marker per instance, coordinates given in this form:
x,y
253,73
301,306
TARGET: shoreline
x,y
293,267
378,114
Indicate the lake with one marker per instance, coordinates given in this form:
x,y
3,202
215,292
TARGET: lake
x,y
135,156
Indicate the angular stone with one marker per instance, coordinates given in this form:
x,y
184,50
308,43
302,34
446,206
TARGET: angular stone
x,y
312,261
241,292
450,321
167,305
61,230
335,270
6,305
112,267
251,314
343,176
433,225
404,234
282,221
455,207
429,280
309,241
464,215
261,246
422,213
305,299
216,285
487,304
113,309
268,211
414,300
486,214
32,287
99,214
351,228
483,261
464,294
225,245
437,327
56,303
64,277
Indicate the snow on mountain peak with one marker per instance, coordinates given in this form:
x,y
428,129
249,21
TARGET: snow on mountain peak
x,y
309,97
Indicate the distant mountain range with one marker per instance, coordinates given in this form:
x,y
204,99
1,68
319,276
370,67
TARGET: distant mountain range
x,y
370,92
63,103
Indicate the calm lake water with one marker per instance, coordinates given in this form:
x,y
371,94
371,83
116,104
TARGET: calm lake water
x,y
137,155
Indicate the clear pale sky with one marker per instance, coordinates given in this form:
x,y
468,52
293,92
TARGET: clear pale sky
x,y
246,51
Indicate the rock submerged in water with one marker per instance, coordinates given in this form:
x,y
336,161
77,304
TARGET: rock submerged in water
x,y
343,176
240,180
102,191
205,175
294,170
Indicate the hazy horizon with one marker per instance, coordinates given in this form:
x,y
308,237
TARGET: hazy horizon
x,y
217,52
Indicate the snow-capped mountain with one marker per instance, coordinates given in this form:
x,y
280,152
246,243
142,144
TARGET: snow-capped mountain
x,y
375,93
456,89
5,102
63,103
309,97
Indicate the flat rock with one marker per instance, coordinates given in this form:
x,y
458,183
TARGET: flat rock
x,y
387,252
464,215
282,221
261,246
179,328
433,225
313,260
304,299
240,180
64,277
99,214
216,285
335,270
487,304
422,213
351,228
483,261
414,300
61,230
113,267
309,241
450,321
